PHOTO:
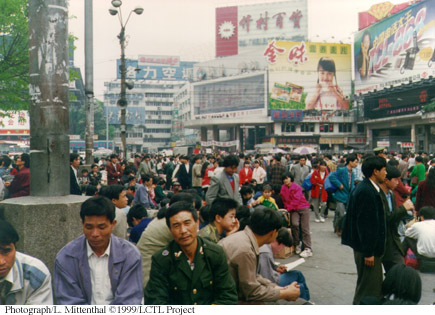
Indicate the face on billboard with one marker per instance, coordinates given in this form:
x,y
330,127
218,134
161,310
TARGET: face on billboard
x,y
308,76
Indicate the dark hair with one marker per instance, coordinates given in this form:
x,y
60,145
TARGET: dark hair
x,y
163,206
392,172
246,189
430,180
130,198
241,155
136,212
264,220
350,158
183,196
427,212
276,188
113,155
393,162
7,160
204,212
277,157
371,164
231,160
289,175
26,159
112,191
91,190
85,171
243,214
284,237
419,159
8,234
98,206
221,206
403,282
322,162
178,207
267,187
145,178
327,64
73,156
204,168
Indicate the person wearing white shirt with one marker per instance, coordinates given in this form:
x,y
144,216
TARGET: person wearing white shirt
x,y
420,237
258,173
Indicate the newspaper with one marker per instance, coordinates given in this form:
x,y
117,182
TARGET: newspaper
x,y
294,264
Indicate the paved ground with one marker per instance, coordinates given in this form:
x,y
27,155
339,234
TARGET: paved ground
x,y
331,272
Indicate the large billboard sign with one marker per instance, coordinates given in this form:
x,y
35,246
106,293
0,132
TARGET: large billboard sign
x,y
239,28
165,68
15,123
396,50
133,115
308,76
230,97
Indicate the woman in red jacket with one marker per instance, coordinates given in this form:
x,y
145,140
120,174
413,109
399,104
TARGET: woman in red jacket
x,y
319,196
245,174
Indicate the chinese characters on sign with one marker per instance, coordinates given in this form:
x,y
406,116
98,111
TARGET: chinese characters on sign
x,y
287,115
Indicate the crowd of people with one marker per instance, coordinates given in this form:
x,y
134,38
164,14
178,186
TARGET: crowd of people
x,y
202,229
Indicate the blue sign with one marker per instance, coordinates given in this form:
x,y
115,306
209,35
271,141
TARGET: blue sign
x,y
287,115
181,72
133,116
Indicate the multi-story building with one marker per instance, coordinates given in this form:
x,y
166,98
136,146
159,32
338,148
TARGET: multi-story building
x,y
154,81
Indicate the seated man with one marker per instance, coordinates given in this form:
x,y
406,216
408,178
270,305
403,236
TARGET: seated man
x,y
118,195
420,237
98,267
24,280
190,270
242,249
137,219
223,219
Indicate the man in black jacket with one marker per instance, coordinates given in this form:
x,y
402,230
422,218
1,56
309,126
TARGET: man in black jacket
x,y
365,229
74,160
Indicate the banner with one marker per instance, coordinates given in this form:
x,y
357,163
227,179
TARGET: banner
x,y
219,143
133,115
397,50
309,76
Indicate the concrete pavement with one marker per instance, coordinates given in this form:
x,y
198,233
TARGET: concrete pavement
x,y
331,272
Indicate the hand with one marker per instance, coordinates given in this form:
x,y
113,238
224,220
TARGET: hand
x,y
408,205
369,261
341,187
7,184
290,292
235,228
281,269
320,185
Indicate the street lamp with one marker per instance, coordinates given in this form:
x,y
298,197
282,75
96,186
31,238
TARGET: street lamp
x,y
122,102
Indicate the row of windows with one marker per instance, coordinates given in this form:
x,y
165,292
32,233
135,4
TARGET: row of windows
x,y
147,130
159,103
158,122
157,112
143,86
155,140
159,94
323,127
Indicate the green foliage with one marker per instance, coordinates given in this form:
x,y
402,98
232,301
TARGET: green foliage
x,y
14,55
429,107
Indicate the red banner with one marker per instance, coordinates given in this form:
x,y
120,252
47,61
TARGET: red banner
x,y
226,32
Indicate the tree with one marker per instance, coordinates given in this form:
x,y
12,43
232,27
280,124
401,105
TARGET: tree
x,y
14,55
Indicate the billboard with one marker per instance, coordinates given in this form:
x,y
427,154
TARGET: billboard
x,y
308,76
133,115
230,97
397,50
240,28
15,123
166,68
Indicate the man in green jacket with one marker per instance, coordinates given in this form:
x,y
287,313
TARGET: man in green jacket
x,y
190,270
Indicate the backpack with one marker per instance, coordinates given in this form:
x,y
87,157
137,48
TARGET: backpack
x,y
306,184
330,187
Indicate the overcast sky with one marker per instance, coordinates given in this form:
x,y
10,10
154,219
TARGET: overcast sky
x,y
186,28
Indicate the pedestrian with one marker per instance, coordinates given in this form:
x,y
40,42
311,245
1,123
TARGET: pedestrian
x,y
426,192
364,229
20,185
319,196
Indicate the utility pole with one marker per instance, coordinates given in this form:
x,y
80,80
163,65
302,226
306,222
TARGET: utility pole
x,y
122,102
89,81
49,89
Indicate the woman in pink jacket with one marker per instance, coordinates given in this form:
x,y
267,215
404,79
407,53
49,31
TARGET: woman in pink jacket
x,y
299,208
319,196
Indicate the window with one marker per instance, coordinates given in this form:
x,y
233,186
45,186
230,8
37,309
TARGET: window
x,y
307,127
326,128
344,127
288,127
360,128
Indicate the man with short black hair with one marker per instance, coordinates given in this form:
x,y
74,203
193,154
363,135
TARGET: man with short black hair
x,y
113,169
118,195
190,270
98,268
276,170
222,219
364,229
20,186
226,183
24,280
242,250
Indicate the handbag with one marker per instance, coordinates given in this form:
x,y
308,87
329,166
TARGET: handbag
x,y
329,186
306,184
414,180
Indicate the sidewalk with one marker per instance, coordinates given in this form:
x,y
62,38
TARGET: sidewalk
x,y
331,273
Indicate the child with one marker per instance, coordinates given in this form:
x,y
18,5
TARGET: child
x,y
327,95
266,199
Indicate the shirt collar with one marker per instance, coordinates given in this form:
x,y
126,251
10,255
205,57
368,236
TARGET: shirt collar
x,y
10,276
91,252
376,186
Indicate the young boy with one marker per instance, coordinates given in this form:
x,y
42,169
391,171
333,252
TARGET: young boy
x,y
266,199
222,219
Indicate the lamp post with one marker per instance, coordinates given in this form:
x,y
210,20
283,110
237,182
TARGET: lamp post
x,y
122,102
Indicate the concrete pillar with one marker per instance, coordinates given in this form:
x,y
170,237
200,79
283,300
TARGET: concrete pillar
x,y
215,133
49,117
203,133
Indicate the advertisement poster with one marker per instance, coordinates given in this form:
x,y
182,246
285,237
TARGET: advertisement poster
x,y
399,49
133,115
309,76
